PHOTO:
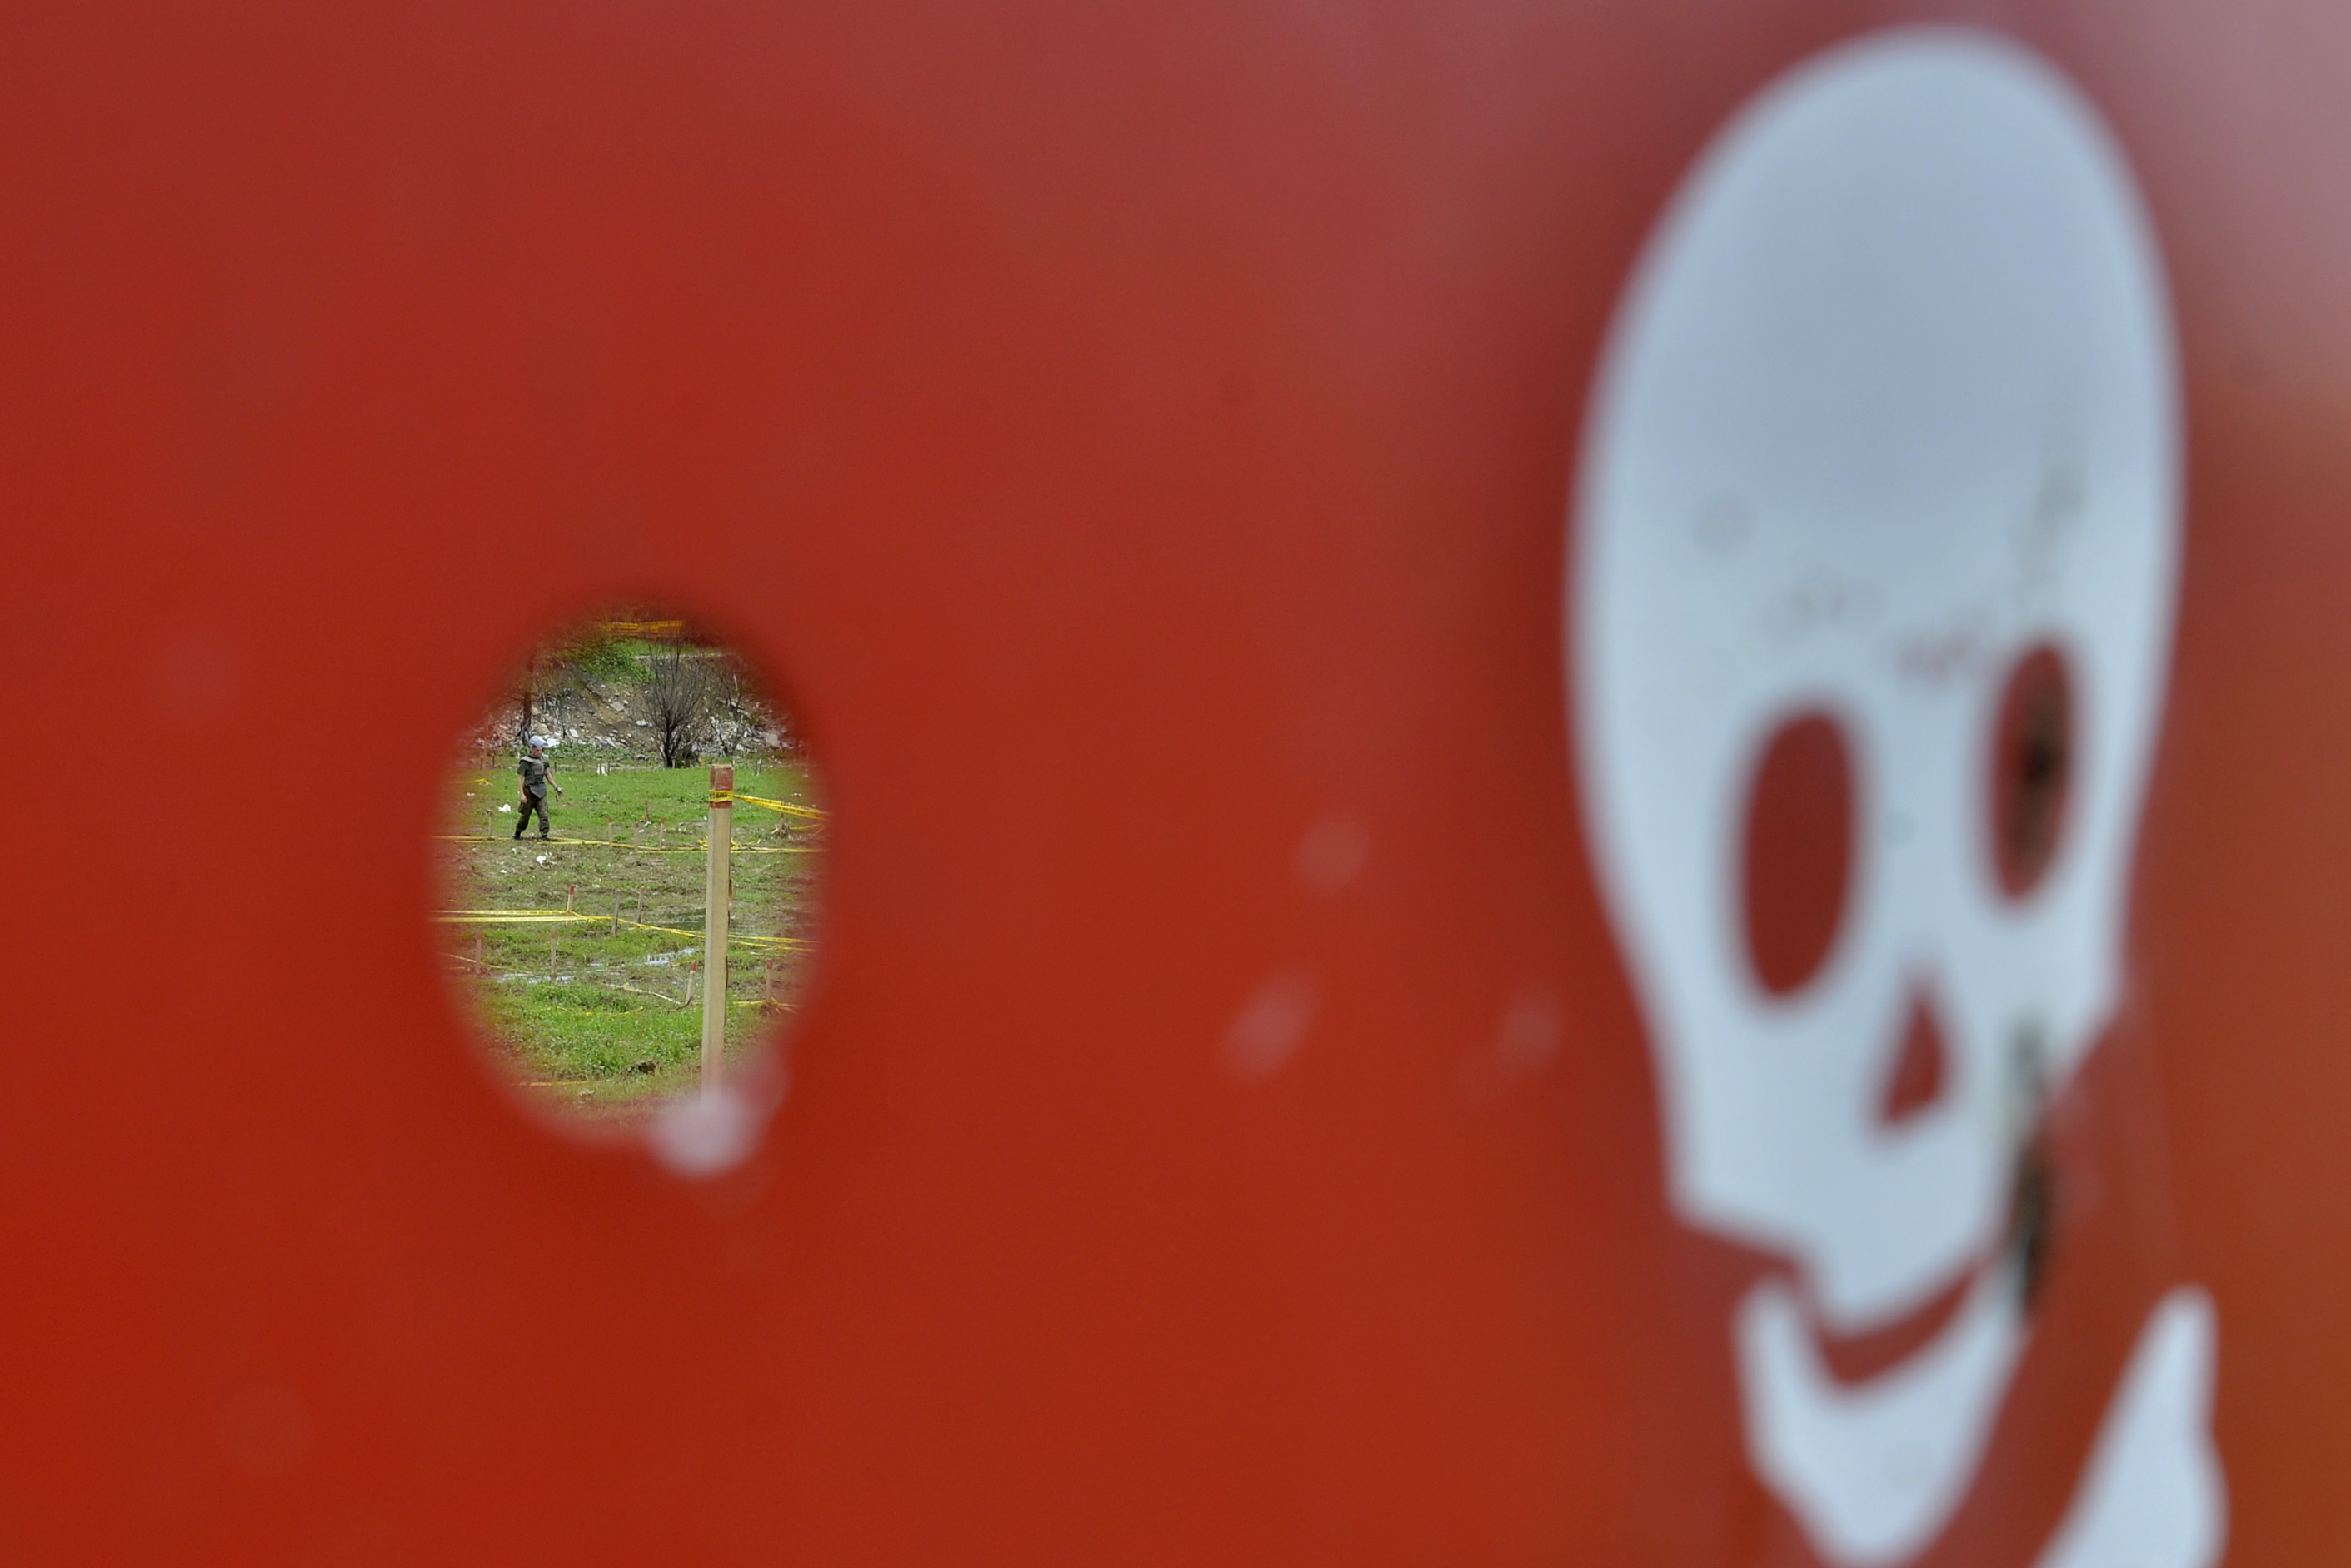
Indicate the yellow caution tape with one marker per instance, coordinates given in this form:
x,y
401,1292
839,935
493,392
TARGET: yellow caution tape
x,y
790,944
511,917
565,916
533,913
724,797
664,930
697,847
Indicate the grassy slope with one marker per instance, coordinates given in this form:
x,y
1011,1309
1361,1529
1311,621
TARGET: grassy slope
x,y
611,1026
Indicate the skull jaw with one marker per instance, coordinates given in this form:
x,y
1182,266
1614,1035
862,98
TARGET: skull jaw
x,y
1874,1473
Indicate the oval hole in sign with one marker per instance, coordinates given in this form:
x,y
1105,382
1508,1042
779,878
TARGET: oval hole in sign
x,y
632,847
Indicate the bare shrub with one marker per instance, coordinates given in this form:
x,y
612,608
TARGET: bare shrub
x,y
675,699
740,719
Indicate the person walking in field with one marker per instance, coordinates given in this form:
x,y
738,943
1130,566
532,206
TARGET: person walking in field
x,y
536,782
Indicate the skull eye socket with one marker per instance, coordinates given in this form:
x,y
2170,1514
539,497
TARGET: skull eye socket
x,y
1797,859
2031,770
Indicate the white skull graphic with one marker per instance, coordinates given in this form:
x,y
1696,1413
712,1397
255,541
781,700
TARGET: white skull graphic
x,y
1878,505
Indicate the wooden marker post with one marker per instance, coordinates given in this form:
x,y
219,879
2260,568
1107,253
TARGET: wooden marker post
x,y
716,891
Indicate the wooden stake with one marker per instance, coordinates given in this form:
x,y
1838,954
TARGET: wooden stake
x,y
717,887
478,950
570,888
616,914
551,956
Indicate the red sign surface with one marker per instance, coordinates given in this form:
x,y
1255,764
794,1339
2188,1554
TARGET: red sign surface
x,y
1258,1100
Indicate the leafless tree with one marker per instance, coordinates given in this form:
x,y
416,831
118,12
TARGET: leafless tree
x,y
741,718
674,698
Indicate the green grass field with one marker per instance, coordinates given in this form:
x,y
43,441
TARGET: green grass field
x,y
602,1021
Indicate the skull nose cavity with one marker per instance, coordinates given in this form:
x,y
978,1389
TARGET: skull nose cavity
x,y
1920,1071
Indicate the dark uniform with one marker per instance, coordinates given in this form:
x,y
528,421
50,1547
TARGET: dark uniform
x,y
533,772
